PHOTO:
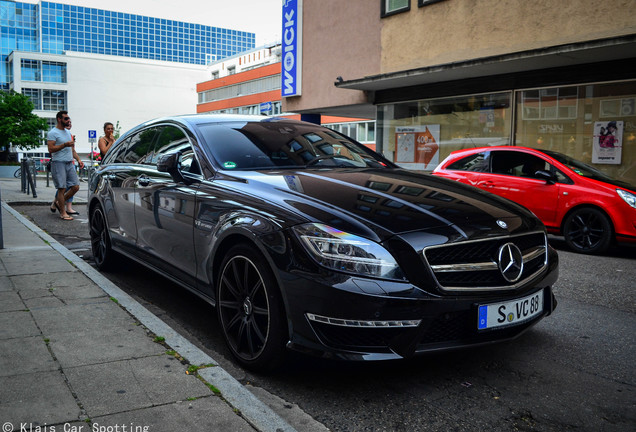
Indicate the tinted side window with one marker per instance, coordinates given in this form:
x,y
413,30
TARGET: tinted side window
x,y
141,146
517,164
116,154
173,140
475,162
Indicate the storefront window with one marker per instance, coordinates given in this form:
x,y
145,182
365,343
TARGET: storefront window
x,y
594,123
419,134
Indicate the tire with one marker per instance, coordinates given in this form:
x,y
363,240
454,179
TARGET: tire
x,y
103,253
250,311
18,173
588,230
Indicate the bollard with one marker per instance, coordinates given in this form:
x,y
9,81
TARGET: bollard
x,y
22,177
27,168
34,172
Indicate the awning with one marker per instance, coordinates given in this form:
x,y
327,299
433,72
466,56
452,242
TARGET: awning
x,y
596,51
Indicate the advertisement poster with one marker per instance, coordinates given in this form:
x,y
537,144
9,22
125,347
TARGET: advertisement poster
x,y
607,144
417,147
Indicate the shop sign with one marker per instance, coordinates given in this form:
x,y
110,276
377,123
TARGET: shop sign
x,y
551,128
417,147
291,75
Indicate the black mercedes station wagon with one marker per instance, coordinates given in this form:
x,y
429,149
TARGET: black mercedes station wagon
x,y
304,239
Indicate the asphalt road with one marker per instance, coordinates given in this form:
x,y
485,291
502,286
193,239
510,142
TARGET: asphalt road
x,y
572,371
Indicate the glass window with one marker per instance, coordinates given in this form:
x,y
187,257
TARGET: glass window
x,y
30,70
263,145
53,72
390,7
54,100
475,162
140,146
419,134
117,153
517,163
35,95
575,121
171,140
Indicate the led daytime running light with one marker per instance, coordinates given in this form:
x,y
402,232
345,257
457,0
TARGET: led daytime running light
x,y
362,324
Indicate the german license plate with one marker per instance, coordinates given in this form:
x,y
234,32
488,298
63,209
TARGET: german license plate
x,y
511,312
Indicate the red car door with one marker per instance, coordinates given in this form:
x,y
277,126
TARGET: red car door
x,y
513,177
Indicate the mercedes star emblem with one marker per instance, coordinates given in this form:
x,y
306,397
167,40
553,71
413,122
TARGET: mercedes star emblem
x,y
510,262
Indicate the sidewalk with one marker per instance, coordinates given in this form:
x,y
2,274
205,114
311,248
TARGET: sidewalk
x,y
79,354
11,193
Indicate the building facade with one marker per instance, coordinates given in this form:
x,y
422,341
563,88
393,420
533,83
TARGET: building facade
x,y
250,83
543,74
103,65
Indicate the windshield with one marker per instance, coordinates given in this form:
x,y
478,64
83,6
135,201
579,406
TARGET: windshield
x,y
579,167
281,144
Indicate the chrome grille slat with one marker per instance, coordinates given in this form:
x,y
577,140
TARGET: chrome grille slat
x,y
483,266
472,265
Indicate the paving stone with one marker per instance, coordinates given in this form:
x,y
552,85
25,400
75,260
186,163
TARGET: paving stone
x,y
204,414
66,286
133,384
41,261
81,318
10,301
17,325
25,355
93,347
37,398
5,282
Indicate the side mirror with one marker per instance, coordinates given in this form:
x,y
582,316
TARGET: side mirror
x,y
545,175
170,163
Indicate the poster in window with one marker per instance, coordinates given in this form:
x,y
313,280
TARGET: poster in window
x,y
417,147
607,144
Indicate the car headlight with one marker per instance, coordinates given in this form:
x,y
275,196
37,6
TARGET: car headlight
x,y
347,252
629,197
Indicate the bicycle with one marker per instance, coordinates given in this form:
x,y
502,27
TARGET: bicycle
x,y
18,173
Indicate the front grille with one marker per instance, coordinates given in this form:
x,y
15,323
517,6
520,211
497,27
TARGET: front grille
x,y
473,265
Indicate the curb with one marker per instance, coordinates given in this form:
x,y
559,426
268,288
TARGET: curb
x,y
259,415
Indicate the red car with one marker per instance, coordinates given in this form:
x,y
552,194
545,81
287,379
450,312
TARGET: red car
x,y
586,206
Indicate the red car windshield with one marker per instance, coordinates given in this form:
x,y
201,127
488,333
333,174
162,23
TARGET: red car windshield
x,y
585,170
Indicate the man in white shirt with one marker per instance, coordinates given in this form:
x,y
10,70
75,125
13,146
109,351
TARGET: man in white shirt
x,y
61,146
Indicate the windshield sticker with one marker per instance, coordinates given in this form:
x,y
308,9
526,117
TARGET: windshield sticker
x,y
229,165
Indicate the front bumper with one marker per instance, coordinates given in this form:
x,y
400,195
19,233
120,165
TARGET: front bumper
x,y
331,316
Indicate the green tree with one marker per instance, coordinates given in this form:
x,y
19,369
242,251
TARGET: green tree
x,y
19,126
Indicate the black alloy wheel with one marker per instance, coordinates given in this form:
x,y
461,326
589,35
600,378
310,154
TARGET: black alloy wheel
x,y
103,253
250,310
588,230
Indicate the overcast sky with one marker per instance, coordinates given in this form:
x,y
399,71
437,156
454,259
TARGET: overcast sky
x,y
262,17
